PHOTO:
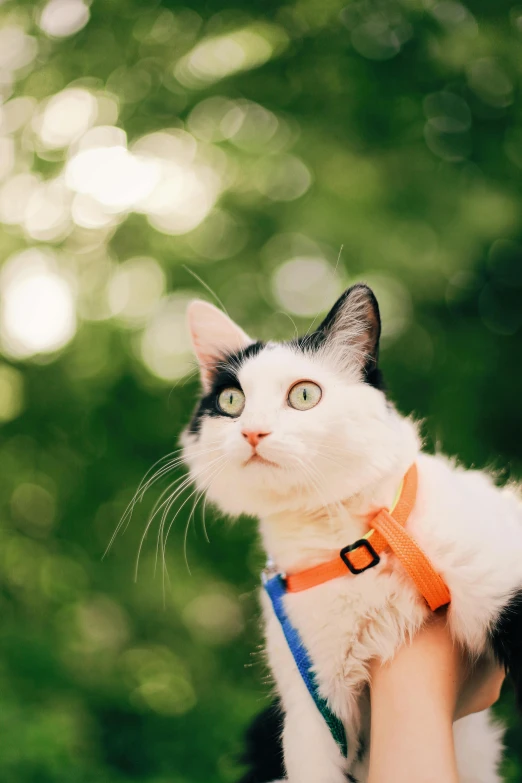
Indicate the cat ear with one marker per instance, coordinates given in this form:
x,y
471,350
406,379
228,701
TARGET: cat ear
x,y
354,325
213,335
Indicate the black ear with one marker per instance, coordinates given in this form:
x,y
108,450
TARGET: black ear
x,y
354,322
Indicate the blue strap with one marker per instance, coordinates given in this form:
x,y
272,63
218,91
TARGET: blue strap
x,y
275,587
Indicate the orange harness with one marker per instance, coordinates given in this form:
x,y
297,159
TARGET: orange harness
x,y
387,530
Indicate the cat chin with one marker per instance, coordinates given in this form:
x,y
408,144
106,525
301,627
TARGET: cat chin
x,y
260,491
255,495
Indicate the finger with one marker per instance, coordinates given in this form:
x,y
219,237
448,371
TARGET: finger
x,y
480,689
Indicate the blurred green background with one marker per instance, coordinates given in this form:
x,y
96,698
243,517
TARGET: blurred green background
x,y
278,151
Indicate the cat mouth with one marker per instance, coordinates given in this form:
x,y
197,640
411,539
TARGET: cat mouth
x,y
257,458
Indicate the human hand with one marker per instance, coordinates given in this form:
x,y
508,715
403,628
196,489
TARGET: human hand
x,y
471,685
479,684
416,697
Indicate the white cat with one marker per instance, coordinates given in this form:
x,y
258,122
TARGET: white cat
x,y
302,436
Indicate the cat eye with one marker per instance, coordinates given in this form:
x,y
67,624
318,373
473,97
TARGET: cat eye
x,y
304,395
231,401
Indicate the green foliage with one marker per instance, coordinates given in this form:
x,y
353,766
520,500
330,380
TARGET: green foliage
x,y
305,145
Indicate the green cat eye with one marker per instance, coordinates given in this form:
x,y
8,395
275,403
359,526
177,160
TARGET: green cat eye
x,y
231,401
304,395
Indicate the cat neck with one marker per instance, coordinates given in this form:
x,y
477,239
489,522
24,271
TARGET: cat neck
x,y
301,537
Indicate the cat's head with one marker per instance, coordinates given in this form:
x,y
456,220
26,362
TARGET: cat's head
x,y
299,424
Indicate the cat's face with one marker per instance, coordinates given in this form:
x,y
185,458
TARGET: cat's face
x,y
295,425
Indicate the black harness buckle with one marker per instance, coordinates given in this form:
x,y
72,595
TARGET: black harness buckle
x,y
366,544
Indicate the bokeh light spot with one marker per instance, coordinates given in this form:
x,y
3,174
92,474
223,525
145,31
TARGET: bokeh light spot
x,y
165,343
15,195
216,616
34,509
306,286
102,625
376,40
206,118
17,49
448,112
61,18
89,213
66,117
16,113
490,82
37,306
449,119
250,126
159,680
47,215
214,58
188,184
7,156
452,14
102,136
135,289
113,176
219,236
282,177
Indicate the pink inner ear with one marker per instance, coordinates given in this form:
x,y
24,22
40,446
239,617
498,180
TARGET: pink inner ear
x,y
207,355
213,334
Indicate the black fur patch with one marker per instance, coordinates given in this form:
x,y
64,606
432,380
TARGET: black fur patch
x,y
224,375
373,377
263,753
506,640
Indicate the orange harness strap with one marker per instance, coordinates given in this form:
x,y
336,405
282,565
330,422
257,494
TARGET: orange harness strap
x,y
387,531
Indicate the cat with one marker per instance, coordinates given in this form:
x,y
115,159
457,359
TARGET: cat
x,y
302,436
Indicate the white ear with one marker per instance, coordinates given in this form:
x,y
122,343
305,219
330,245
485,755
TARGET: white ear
x,y
213,334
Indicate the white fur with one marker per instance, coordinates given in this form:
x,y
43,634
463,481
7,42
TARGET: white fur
x,y
337,462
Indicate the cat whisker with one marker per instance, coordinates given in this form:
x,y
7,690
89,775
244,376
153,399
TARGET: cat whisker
x,y
164,538
152,516
185,379
179,484
161,541
166,468
203,520
132,503
191,515
167,504
206,286
146,484
296,330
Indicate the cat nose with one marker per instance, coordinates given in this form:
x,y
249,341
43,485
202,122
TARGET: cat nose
x,y
253,436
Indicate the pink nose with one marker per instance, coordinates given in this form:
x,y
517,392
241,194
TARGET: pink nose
x,y
253,436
